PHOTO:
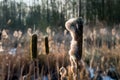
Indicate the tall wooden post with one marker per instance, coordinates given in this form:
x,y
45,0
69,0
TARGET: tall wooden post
x,y
81,37
81,28
81,33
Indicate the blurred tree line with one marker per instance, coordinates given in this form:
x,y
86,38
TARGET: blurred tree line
x,y
44,13
106,11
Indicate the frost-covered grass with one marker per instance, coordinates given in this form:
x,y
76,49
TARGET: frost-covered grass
x,y
19,66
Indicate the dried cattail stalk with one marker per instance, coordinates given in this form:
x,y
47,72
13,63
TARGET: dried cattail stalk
x,y
1,48
33,47
8,76
63,73
21,71
46,45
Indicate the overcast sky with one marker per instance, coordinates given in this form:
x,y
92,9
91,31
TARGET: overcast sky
x,y
28,2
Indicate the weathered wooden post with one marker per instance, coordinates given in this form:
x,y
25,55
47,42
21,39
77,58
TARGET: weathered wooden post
x,y
46,45
80,28
75,27
80,25
80,42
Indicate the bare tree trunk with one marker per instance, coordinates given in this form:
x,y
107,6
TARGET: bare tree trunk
x,y
47,12
79,8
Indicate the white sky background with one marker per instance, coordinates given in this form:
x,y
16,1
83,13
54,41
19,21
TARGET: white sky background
x,y
28,2
31,2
